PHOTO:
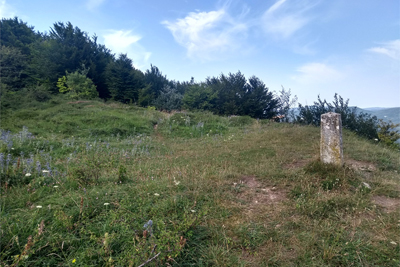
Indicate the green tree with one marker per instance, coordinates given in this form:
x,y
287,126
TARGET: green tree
x,y
388,133
16,33
66,48
231,90
199,97
258,102
155,82
285,103
361,123
77,85
124,82
169,99
13,66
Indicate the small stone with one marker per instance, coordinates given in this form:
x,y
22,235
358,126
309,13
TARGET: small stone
x,y
393,243
366,185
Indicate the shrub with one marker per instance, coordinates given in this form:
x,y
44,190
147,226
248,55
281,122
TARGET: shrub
x,y
361,123
169,99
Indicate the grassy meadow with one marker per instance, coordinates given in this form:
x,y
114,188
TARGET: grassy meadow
x,y
88,183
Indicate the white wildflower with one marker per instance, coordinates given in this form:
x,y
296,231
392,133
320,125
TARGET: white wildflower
x,y
28,174
56,186
106,204
39,207
393,243
192,210
45,171
156,194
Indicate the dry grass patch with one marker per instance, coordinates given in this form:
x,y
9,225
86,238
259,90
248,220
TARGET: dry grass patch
x,y
388,204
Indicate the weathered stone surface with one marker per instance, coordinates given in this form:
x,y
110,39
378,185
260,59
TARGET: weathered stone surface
x,y
331,139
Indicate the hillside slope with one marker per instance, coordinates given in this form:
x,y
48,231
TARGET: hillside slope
x,y
189,189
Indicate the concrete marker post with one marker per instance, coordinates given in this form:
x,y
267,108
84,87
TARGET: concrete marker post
x,y
331,150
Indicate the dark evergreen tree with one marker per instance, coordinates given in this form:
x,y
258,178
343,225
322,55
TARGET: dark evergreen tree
x,y
155,83
13,66
230,90
124,82
257,101
200,97
16,33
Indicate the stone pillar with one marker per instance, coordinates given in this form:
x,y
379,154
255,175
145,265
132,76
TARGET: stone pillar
x,y
331,139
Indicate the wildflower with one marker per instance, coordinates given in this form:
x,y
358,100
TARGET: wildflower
x,y
45,171
56,186
38,207
28,174
156,194
192,210
74,260
106,204
376,139
393,243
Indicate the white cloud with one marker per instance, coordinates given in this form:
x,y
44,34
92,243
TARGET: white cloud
x,y
284,18
317,73
390,49
125,42
92,4
6,10
207,35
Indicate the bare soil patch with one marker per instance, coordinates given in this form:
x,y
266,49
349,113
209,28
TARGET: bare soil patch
x,y
361,165
389,204
256,194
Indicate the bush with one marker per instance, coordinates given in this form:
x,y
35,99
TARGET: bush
x,y
78,85
361,123
169,99
388,133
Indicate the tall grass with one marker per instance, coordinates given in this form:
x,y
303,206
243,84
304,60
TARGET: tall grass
x,y
188,189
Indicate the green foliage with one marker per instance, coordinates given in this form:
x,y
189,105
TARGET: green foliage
x,y
286,102
388,133
62,85
123,81
232,94
13,66
77,85
17,34
258,102
169,99
155,81
361,123
199,97
238,198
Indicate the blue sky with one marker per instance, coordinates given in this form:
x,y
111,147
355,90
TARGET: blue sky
x,y
313,47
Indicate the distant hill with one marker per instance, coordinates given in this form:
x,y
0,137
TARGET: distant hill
x,y
392,114
374,108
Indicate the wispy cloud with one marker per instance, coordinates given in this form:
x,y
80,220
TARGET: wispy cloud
x,y
207,35
6,10
124,41
317,73
285,17
390,49
92,4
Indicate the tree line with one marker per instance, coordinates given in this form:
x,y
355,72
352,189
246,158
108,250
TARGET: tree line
x,y
69,61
